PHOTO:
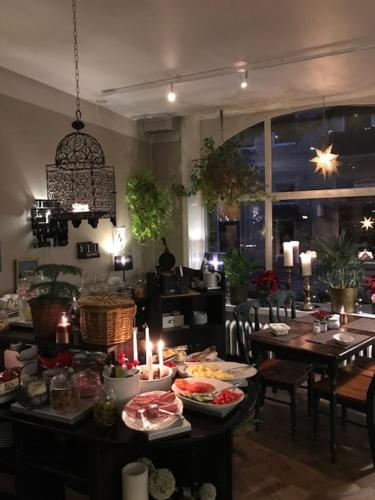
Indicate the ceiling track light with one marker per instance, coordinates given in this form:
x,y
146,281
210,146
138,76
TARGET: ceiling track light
x,y
171,96
243,78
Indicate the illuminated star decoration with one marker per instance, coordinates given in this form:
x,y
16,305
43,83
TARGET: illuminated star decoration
x,y
367,223
326,162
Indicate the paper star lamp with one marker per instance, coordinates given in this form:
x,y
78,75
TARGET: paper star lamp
x,y
367,223
325,161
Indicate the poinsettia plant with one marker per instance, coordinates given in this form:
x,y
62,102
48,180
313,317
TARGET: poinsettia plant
x,y
369,281
267,282
321,314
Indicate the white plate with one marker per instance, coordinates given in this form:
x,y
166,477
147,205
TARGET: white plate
x,y
343,338
211,356
209,407
241,369
137,425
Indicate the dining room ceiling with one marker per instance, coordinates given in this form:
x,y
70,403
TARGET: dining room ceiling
x,y
296,51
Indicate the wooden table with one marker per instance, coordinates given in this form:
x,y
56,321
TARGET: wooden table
x,y
300,349
93,457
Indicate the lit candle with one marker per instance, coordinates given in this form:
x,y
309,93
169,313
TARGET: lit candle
x,y
62,330
149,360
343,316
288,253
161,360
306,264
123,260
147,341
135,343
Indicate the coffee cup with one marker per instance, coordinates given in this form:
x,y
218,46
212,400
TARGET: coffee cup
x,y
212,279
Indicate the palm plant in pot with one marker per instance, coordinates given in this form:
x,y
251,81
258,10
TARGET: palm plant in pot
x,y
340,269
51,297
237,269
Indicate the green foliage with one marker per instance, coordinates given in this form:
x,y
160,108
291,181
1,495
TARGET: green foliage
x,y
221,175
339,264
54,291
237,268
150,205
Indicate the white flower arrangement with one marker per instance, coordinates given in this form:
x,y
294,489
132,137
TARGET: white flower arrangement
x,y
207,491
161,484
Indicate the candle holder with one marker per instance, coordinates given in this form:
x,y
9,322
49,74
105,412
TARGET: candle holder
x,y
288,271
307,305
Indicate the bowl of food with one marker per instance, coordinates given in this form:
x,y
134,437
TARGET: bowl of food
x,y
280,329
343,338
157,383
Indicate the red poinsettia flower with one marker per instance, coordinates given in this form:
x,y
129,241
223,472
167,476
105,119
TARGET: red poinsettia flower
x,y
268,282
321,314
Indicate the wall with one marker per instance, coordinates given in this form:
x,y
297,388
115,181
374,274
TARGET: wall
x,y
29,135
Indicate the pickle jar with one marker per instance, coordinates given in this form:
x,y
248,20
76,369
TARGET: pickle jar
x,y
105,407
89,382
64,391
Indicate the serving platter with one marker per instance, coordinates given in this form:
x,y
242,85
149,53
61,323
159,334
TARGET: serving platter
x,y
235,371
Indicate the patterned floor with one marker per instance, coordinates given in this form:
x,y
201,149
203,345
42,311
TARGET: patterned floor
x,y
270,465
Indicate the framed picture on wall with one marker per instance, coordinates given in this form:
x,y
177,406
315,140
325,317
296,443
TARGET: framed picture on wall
x,y
25,267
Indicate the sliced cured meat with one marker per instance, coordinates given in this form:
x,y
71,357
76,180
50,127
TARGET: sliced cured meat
x,y
152,402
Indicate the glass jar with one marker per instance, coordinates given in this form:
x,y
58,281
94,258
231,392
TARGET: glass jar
x,y
4,317
105,408
64,391
32,389
89,383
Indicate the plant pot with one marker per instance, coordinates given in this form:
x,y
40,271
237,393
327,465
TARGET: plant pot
x,y
238,294
124,388
45,318
346,297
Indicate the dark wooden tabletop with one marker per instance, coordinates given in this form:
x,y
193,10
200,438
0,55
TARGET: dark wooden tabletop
x,y
302,342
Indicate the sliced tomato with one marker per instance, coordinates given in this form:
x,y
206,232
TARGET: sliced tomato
x,y
227,397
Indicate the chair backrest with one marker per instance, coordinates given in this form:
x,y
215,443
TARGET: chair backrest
x,y
371,397
246,312
282,299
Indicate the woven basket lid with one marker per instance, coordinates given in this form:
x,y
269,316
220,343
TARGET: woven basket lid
x,y
105,301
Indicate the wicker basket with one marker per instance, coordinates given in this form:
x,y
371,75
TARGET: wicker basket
x,y
106,320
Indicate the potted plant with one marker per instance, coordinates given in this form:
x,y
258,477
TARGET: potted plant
x,y
150,205
341,270
221,174
266,283
237,269
51,297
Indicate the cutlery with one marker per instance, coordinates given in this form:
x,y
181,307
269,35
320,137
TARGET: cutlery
x,y
166,412
145,422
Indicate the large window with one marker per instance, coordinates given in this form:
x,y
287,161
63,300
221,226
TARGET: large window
x,y
300,203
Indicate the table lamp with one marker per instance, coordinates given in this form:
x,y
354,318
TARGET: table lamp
x,y
123,263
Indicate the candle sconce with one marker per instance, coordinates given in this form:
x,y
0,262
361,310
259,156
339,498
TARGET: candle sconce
x,y
307,305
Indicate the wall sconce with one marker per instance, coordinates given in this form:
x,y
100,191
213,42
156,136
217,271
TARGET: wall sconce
x,y
123,263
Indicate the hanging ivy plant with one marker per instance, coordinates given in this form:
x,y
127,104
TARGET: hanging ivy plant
x,y
221,175
150,205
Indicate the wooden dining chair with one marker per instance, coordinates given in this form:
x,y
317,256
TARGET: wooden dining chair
x,y
281,300
274,373
355,390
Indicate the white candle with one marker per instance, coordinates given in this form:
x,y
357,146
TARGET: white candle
x,y
295,247
135,343
160,355
147,335
306,264
149,360
313,255
288,253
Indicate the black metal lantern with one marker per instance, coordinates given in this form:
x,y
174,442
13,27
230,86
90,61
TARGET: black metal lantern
x,y
80,179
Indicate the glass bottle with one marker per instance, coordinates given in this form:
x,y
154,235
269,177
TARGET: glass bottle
x,y
105,408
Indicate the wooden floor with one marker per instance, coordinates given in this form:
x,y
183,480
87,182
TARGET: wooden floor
x,y
269,464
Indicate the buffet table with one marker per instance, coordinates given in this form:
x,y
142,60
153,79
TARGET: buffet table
x,y
91,458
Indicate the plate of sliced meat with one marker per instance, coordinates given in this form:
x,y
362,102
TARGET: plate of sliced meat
x,y
152,410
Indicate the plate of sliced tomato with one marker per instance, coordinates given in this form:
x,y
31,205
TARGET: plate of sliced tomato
x,y
208,395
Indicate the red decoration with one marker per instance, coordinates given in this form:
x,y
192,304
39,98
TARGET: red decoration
x,y
267,282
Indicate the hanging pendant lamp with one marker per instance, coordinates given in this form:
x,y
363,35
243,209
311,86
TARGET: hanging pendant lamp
x,y
80,179
325,161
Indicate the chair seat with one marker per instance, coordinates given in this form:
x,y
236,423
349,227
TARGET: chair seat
x,y
285,372
366,366
351,386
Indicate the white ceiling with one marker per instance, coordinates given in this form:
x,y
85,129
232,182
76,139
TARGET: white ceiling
x,y
127,42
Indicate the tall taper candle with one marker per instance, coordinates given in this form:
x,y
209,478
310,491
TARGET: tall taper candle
x,y
149,361
161,360
135,343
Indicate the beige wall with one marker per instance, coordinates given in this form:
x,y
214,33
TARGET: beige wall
x,y
29,135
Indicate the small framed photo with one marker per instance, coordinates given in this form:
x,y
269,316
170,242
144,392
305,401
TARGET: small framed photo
x,y
25,267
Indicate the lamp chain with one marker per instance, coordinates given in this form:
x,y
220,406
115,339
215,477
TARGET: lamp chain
x,y
76,59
